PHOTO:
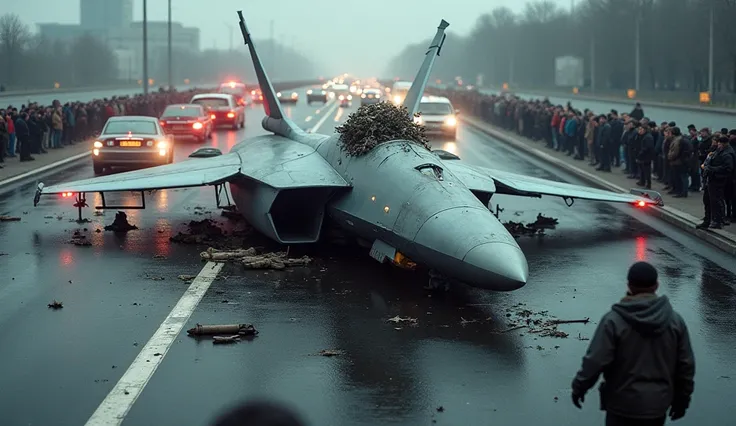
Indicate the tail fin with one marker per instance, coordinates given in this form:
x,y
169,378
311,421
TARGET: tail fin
x,y
275,120
414,96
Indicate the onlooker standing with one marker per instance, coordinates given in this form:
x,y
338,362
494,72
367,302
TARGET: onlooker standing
x,y
642,348
679,156
646,156
717,171
604,143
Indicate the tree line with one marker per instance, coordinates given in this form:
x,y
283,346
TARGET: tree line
x,y
520,49
30,61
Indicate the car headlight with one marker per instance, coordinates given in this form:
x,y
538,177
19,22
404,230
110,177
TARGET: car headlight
x,y
309,92
324,93
149,143
278,94
97,144
162,145
397,99
342,97
350,97
294,95
196,126
418,120
363,96
451,121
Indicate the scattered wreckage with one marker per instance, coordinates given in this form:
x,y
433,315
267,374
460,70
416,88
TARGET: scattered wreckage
x,y
223,334
519,229
250,258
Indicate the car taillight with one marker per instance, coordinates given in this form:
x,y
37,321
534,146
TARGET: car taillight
x,y
162,123
212,116
230,114
197,125
67,194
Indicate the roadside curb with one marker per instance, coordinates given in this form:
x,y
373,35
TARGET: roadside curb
x,y
670,215
59,164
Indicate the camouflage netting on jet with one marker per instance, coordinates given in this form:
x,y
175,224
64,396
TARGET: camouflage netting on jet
x,y
372,125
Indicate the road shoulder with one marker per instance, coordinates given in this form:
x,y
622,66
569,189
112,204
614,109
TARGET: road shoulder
x,y
683,213
14,170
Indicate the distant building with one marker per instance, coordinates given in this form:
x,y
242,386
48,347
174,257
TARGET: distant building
x,y
112,22
105,14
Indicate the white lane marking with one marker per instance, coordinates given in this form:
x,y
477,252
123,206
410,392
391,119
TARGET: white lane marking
x,y
120,400
308,119
324,118
339,114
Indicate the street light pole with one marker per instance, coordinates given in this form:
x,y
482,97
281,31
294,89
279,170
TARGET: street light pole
x,y
710,53
145,48
592,64
638,42
171,79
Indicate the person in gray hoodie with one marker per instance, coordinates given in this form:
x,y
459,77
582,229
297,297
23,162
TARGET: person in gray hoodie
x,y
642,348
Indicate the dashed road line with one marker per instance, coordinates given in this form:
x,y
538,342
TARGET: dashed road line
x,y
324,118
120,400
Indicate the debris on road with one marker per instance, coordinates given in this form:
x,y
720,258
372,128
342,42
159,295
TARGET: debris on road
x,y
397,319
187,277
155,277
225,339
79,240
537,323
229,329
159,256
9,219
120,224
330,352
55,304
207,231
99,213
519,229
252,260
374,124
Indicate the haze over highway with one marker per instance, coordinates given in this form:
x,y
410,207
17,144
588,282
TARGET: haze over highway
x,y
67,361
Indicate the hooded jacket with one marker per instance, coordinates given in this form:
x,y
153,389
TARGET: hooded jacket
x,y
642,348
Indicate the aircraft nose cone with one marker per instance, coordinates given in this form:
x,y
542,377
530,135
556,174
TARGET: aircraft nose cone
x,y
502,263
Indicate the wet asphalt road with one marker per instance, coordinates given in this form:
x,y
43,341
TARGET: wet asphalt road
x,y
62,361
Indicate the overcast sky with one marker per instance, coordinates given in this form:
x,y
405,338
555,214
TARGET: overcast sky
x,y
357,36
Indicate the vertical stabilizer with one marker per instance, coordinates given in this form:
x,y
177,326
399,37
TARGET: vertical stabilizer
x,y
275,120
414,96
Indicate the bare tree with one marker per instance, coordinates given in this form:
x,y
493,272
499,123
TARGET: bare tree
x,y
13,37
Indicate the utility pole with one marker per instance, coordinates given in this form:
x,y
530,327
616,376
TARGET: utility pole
x,y
273,47
145,49
638,43
592,64
710,53
511,71
171,79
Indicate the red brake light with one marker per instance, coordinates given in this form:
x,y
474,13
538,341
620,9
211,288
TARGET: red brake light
x,y
230,114
67,194
640,203
163,123
212,116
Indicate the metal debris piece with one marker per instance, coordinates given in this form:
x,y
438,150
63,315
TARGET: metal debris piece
x,y
252,260
440,409
159,256
187,277
207,231
397,319
55,304
155,278
99,213
229,329
330,352
225,339
9,219
79,240
374,124
120,224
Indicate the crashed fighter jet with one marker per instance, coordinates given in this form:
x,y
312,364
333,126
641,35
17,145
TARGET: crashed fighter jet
x,y
411,204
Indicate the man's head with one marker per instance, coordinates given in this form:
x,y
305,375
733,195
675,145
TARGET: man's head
x,y
705,132
722,142
642,129
642,278
602,119
692,130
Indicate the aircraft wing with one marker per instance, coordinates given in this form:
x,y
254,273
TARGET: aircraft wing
x,y
526,186
195,172
275,161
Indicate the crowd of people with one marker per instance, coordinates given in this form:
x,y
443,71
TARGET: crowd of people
x,y
33,129
684,162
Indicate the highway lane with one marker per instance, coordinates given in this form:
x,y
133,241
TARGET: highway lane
x,y
397,374
390,373
63,97
114,293
659,114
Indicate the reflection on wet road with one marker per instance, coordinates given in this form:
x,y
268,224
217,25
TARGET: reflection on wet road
x,y
116,294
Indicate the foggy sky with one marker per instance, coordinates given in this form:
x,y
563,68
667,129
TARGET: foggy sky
x,y
339,34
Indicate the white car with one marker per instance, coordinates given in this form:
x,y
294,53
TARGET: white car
x,y
223,108
438,116
370,96
131,142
